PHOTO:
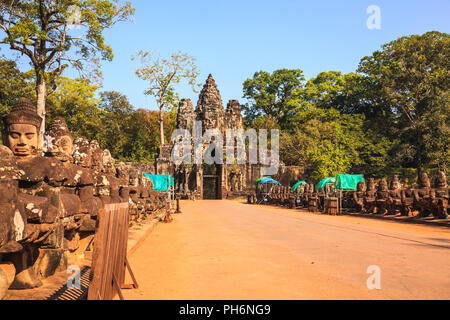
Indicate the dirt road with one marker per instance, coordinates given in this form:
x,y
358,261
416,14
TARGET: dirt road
x,y
231,250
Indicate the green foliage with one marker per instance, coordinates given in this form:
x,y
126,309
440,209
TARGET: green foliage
x,y
163,75
411,76
44,31
273,95
13,85
75,101
391,116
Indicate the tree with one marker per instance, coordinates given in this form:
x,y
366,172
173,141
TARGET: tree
x,y
75,101
331,143
163,75
411,76
276,95
116,114
13,85
41,30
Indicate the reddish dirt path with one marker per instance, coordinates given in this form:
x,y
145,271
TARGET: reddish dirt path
x,y
231,250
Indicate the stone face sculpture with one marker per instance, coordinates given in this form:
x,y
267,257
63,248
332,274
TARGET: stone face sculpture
x,y
394,203
422,196
382,197
370,196
440,197
21,127
109,169
123,178
358,197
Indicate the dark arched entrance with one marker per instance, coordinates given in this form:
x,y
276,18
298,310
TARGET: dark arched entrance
x,y
212,179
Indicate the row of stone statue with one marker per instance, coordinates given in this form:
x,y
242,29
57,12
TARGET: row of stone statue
x,y
49,200
373,198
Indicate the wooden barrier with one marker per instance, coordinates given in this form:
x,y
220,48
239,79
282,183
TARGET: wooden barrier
x,y
332,206
109,258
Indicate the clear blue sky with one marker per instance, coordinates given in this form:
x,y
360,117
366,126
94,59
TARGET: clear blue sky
x,y
232,39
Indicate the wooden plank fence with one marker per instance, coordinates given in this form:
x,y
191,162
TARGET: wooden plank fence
x,y
109,259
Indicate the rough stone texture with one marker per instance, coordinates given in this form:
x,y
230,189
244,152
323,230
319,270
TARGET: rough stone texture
x,y
210,109
7,273
186,115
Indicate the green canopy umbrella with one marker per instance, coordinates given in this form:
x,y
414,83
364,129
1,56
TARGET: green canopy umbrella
x,y
298,184
348,181
260,179
324,182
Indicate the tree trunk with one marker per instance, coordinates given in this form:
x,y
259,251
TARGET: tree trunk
x,y
41,92
161,123
419,160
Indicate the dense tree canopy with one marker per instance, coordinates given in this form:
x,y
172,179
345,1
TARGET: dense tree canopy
x,y
389,116
56,34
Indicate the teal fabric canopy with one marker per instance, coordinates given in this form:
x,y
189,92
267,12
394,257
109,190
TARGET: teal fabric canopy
x,y
268,180
348,181
260,179
298,184
161,182
324,182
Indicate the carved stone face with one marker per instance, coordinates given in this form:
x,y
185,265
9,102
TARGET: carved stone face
x,y
23,140
82,154
395,183
441,180
97,156
62,148
371,184
383,185
108,163
424,181
360,186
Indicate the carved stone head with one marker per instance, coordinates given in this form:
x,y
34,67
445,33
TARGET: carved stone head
x,y
360,187
424,181
60,141
395,183
22,129
134,177
82,155
97,156
383,185
371,184
108,163
441,180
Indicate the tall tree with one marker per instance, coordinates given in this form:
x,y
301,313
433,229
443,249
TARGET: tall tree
x,y
276,95
116,115
43,31
412,76
163,75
